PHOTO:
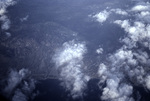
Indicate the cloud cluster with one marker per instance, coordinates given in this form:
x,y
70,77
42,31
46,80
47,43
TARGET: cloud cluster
x,y
116,92
102,16
141,11
130,64
19,87
113,75
3,10
119,11
68,60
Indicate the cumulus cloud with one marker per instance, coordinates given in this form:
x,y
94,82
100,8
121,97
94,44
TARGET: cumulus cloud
x,y
70,51
102,69
68,60
140,7
116,92
3,6
131,60
99,51
19,87
2,11
136,33
113,75
102,16
141,11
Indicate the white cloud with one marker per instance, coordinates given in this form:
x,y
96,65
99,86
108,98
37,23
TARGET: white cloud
x,y
99,51
140,8
119,11
123,56
102,16
132,60
68,60
113,75
19,87
3,6
138,32
144,13
116,91
69,52
147,81
127,62
141,11
2,11
102,69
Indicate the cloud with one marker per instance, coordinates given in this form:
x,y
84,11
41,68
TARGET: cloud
x,y
102,69
99,51
5,3
19,87
119,11
6,24
3,6
116,92
129,65
19,96
140,7
113,75
25,92
141,11
24,18
137,33
8,34
147,81
102,16
68,60
70,51
14,79
2,11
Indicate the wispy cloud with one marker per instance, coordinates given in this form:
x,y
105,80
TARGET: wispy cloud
x,y
24,18
119,11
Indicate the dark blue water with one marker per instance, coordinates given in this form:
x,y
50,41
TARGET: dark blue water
x,y
50,90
